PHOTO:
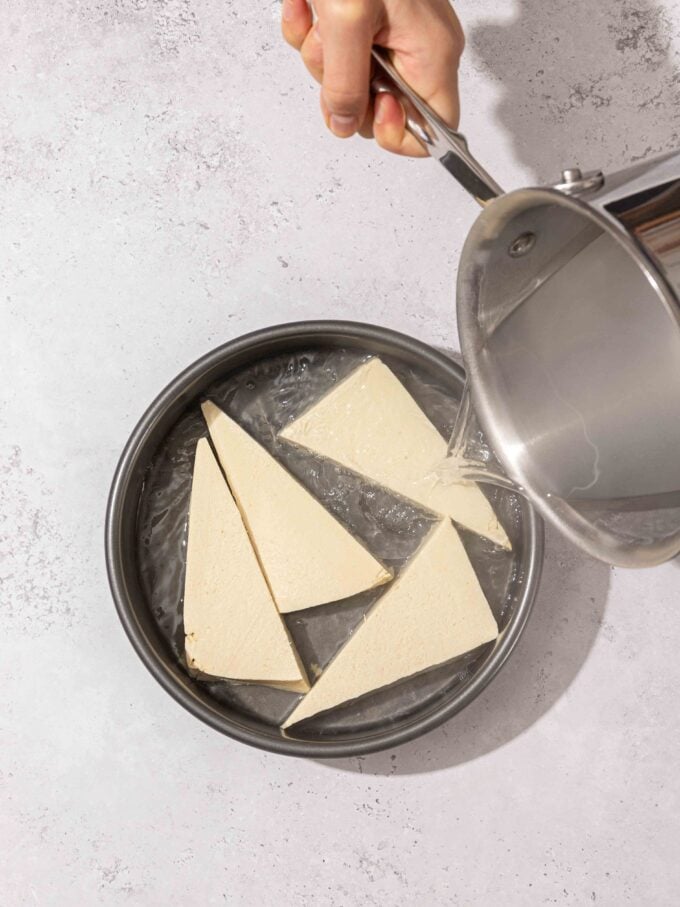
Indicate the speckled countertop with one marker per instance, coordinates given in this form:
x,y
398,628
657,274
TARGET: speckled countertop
x,y
167,186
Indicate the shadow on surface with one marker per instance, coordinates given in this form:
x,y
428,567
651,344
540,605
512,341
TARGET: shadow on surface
x,y
582,83
567,614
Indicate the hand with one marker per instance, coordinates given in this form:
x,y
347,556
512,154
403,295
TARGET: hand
x,y
426,42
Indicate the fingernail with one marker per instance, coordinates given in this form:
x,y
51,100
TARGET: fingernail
x,y
343,126
379,109
287,11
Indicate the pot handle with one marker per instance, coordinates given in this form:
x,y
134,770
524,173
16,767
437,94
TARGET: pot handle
x,y
441,142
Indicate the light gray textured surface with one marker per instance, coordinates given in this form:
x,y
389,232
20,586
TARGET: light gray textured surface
x,y
166,186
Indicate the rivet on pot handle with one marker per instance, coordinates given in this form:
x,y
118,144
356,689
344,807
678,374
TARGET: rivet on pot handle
x,y
441,142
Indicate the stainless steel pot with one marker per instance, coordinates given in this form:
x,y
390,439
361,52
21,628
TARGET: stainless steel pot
x,y
569,325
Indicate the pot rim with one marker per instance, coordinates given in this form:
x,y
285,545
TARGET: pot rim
x,y
599,543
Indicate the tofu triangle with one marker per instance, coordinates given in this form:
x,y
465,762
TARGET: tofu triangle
x,y
307,556
433,612
371,424
232,626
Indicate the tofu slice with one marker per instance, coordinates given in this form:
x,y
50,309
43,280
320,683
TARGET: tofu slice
x,y
371,424
307,556
231,624
434,611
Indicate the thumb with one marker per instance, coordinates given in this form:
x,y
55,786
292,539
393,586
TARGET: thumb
x,y
347,36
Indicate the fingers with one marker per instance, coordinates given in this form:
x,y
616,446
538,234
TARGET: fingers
x,y
426,42
436,81
389,128
426,50
296,21
347,28
296,26
434,76
312,54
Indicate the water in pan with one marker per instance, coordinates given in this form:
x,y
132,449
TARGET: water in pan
x,y
263,398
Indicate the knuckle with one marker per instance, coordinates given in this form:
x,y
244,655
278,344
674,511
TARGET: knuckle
x,y
312,55
452,44
290,38
348,12
459,41
456,48
292,34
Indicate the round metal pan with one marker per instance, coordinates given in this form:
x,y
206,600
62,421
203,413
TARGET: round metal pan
x,y
244,711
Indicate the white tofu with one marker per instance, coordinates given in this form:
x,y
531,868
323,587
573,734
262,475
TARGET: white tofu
x,y
232,626
434,611
307,556
371,424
